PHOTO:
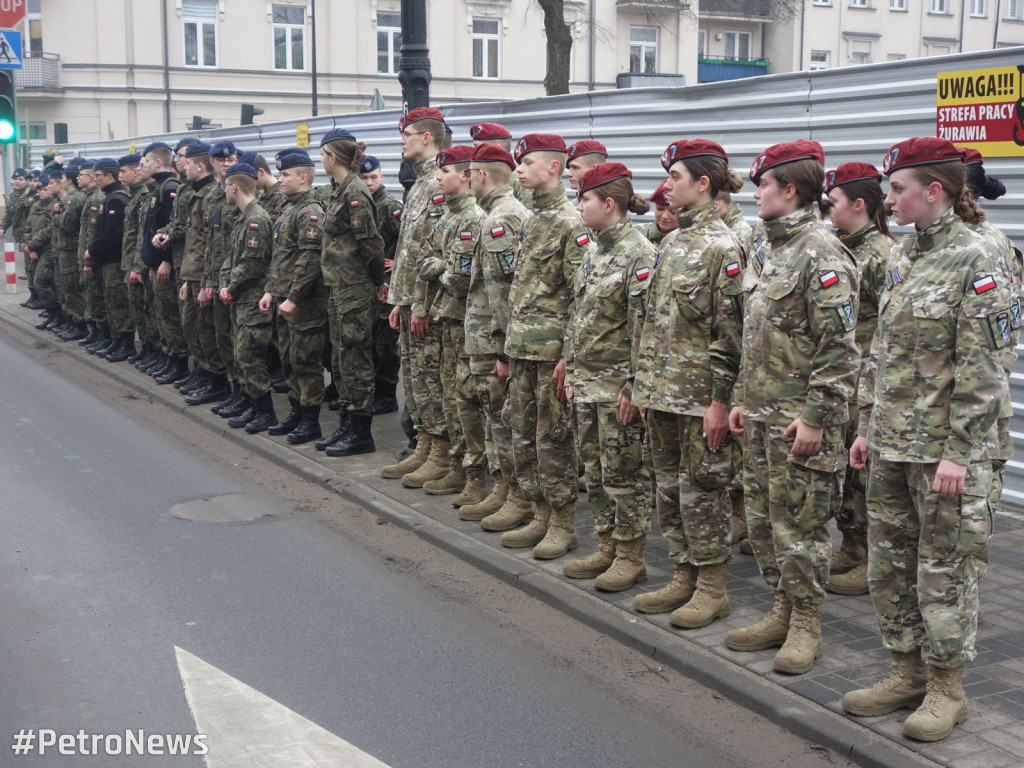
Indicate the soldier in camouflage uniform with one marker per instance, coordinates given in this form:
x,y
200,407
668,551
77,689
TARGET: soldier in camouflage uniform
x,y
268,191
859,216
664,218
487,313
930,398
104,250
732,216
13,220
689,361
352,262
582,156
242,278
73,209
140,300
609,297
422,137
39,249
295,287
553,245
500,136
800,365
386,360
92,285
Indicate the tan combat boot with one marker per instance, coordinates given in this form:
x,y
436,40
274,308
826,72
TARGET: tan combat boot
x,y
593,565
561,534
769,632
851,553
410,463
475,489
674,594
944,706
514,512
489,505
628,569
904,687
853,582
434,468
531,534
709,601
453,481
803,643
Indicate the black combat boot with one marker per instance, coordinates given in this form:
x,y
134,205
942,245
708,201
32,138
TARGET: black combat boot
x,y
102,342
77,332
113,353
358,440
228,400
55,318
242,418
308,428
143,350
236,404
92,338
290,422
385,400
264,415
215,391
344,424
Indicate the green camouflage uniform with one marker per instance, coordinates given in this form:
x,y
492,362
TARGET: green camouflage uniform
x,y
352,262
197,321
95,304
487,314
386,360
140,297
800,359
295,274
449,262
13,221
224,217
166,307
244,274
607,313
932,391
73,210
424,207
689,355
272,201
38,230
552,247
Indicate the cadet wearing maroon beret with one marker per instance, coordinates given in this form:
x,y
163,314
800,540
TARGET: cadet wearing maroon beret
x,y
582,155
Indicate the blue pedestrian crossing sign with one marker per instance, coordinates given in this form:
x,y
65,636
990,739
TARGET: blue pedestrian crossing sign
x,y
10,49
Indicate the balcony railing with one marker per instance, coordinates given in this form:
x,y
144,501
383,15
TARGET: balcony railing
x,y
715,69
40,71
741,9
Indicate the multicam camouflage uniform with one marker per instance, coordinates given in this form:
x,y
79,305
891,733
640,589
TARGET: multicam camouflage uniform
x,y
196,320
73,209
800,360
295,275
487,315
689,356
651,232
95,304
553,246
609,295
932,391
732,216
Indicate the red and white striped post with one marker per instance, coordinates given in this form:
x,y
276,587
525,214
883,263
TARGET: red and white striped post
x,y
11,268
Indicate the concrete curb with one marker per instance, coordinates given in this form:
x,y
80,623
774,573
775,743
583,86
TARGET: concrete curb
x,y
814,723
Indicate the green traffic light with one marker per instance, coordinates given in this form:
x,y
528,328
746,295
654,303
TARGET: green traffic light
x,y
7,132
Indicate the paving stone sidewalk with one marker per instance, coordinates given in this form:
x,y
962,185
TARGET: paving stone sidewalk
x,y
852,655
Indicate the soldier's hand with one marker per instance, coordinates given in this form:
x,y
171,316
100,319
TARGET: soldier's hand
x,y
808,438
859,454
736,420
134,278
420,326
559,378
395,319
388,264
33,255
160,241
287,308
87,271
205,297
87,257
500,370
265,301
949,478
568,393
627,411
225,296
382,293
183,292
716,424
163,272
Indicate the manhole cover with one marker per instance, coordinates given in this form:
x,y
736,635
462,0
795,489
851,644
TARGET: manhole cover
x,y
230,508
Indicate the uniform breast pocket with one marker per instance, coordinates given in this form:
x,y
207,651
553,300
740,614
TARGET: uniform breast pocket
x,y
935,323
784,309
692,295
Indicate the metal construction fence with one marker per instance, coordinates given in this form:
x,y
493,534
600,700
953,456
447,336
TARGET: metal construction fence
x,y
856,113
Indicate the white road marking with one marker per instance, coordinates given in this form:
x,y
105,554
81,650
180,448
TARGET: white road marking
x,y
246,729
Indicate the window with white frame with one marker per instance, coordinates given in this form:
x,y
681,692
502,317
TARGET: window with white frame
x,y
34,26
389,42
860,4
702,43
979,8
897,5
199,19
821,2
486,38
820,60
643,50
737,45
1014,10
937,49
940,6
289,37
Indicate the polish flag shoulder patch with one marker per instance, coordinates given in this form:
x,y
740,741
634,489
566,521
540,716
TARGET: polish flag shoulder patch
x,y
643,273
829,278
437,199
111,213
313,217
398,213
582,240
353,204
984,284
173,195
732,269
465,235
254,225
497,231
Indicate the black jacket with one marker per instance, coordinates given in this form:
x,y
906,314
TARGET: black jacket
x,y
156,212
105,247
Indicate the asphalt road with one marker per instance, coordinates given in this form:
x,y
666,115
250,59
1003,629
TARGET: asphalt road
x,y
391,647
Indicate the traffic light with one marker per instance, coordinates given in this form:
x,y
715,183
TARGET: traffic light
x,y
249,111
8,116
199,122
302,135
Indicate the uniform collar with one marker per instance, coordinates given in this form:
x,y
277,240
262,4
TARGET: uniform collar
x,y
547,199
426,166
789,226
854,239
461,202
607,238
687,218
488,201
934,236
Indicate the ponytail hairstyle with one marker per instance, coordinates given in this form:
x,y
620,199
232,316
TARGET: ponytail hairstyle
x,y
717,171
621,191
348,153
808,178
953,178
871,192
983,185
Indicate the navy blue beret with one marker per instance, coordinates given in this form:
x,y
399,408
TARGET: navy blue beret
x,y
294,158
156,145
196,149
132,159
336,133
243,168
223,149
107,164
370,163
184,142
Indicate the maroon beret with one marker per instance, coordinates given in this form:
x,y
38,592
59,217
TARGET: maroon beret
x,y
420,113
971,155
677,150
485,131
658,197
848,172
538,142
492,153
601,174
921,150
780,154
457,154
586,147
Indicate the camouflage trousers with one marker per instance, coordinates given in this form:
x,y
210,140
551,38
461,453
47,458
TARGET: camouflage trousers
x,y
140,303
619,488
45,278
302,352
225,338
198,330
30,269
455,376
693,496
386,360
421,359
926,554
852,515
71,288
253,333
115,296
542,439
95,301
483,396
789,501
1004,452
351,309
167,311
